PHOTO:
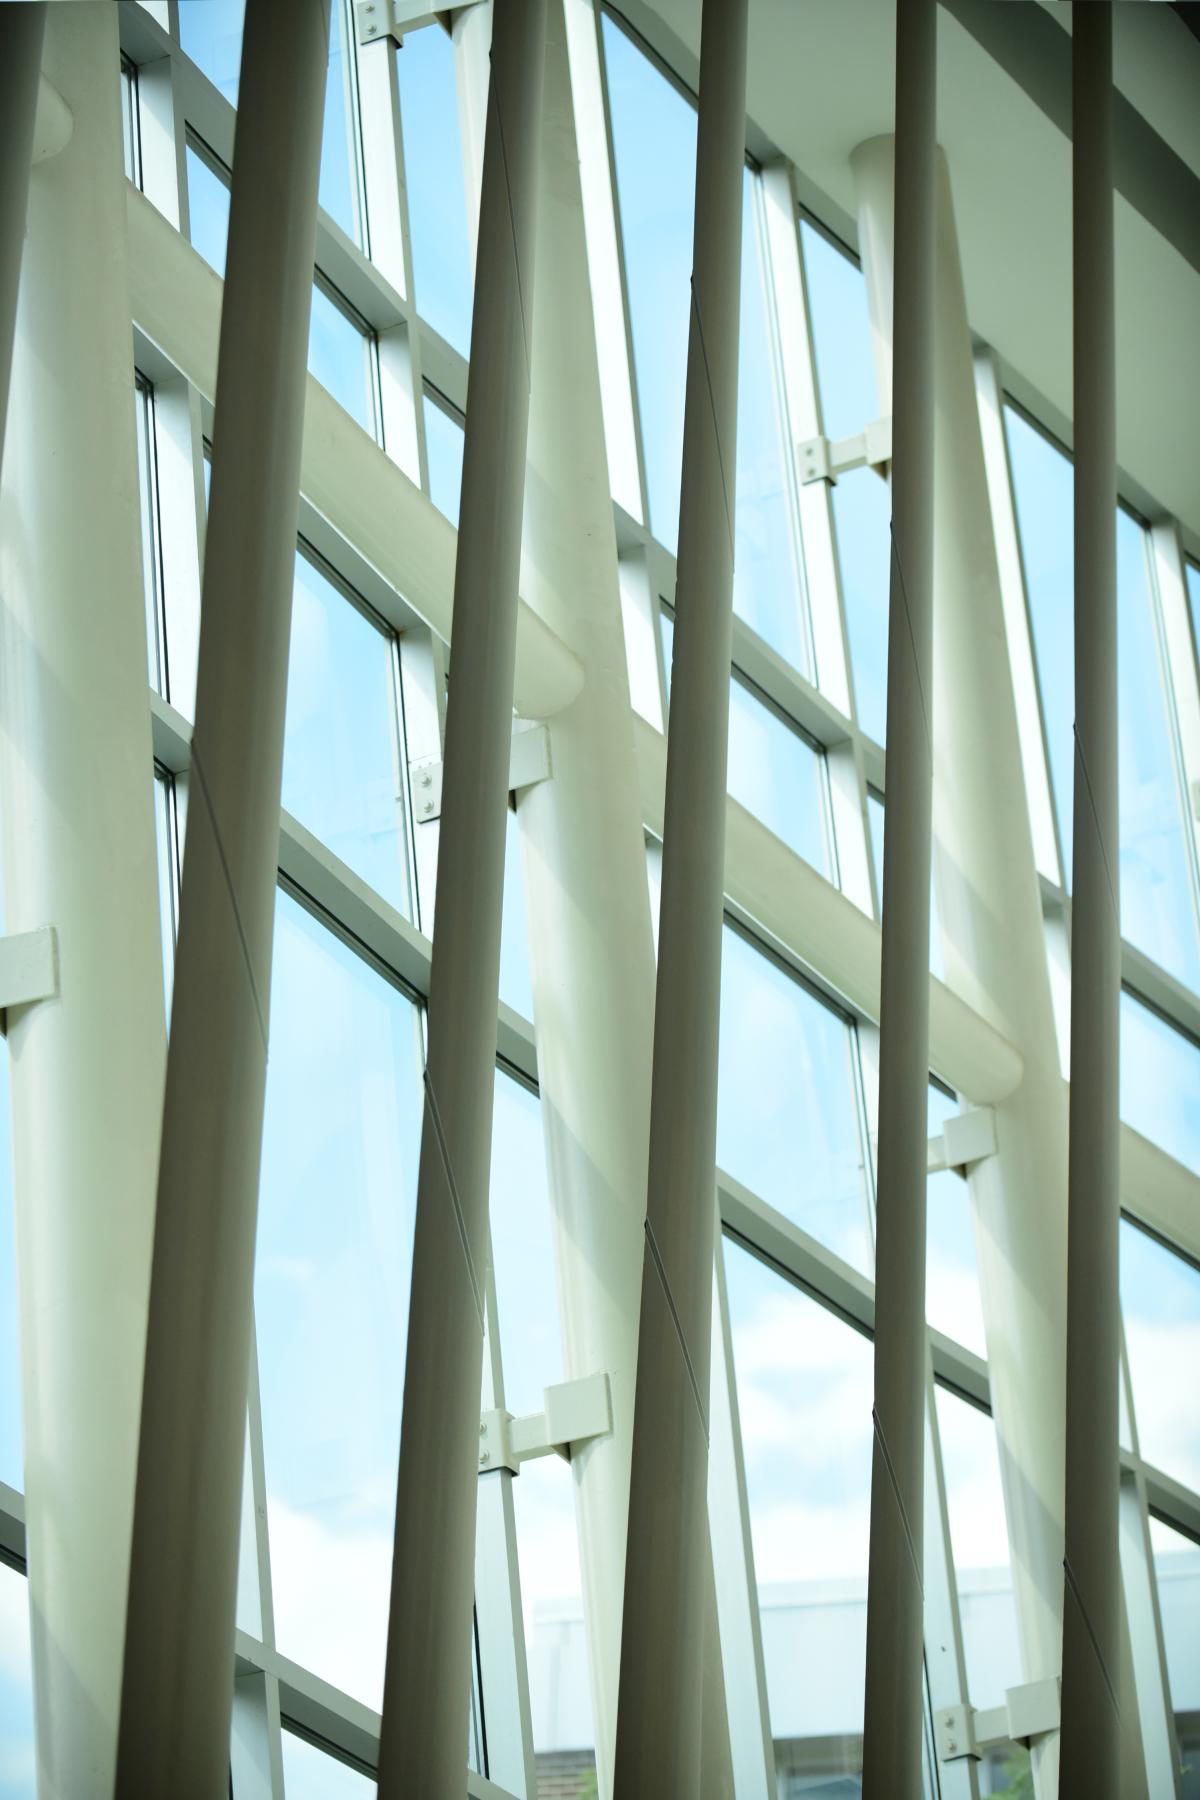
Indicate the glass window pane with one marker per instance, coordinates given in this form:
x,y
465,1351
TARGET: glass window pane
x,y
17,1767
435,184
211,33
1160,1300
952,1298
654,150
308,1774
979,1540
208,208
1160,1082
340,1147
340,778
804,1383
338,192
444,451
787,1110
544,1497
339,351
1193,588
841,330
339,357
654,147
765,592
1157,904
167,861
143,415
777,775
1177,1571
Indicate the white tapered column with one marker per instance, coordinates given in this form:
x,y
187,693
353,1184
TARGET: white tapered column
x,y
429,1633
893,1707
590,946
668,1575
76,812
989,906
178,1675
1091,1724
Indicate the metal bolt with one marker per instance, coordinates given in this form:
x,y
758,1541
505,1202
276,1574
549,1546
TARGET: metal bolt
x,y
485,1456
427,781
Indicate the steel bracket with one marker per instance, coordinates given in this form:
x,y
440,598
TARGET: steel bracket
x,y
574,1412
824,459
1028,1712
378,19
28,970
954,1732
965,1139
528,763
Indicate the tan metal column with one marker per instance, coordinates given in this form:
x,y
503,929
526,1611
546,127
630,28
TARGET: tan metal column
x,y
1092,1625
178,1675
426,1682
893,1710
668,1571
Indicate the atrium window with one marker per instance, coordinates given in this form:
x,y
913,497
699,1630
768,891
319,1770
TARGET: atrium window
x,y
338,1191
804,1384
210,31
654,149
340,347
143,420
787,1103
341,766
310,1774
862,507
1160,1081
1160,1303
774,770
1158,905
444,451
435,184
1193,588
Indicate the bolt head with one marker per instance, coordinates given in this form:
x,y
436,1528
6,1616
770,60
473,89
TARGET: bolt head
x,y
485,1456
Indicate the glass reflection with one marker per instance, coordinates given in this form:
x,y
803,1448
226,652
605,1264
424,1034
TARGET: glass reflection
x,y
787,1111
777,775
804,1383
340,1148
